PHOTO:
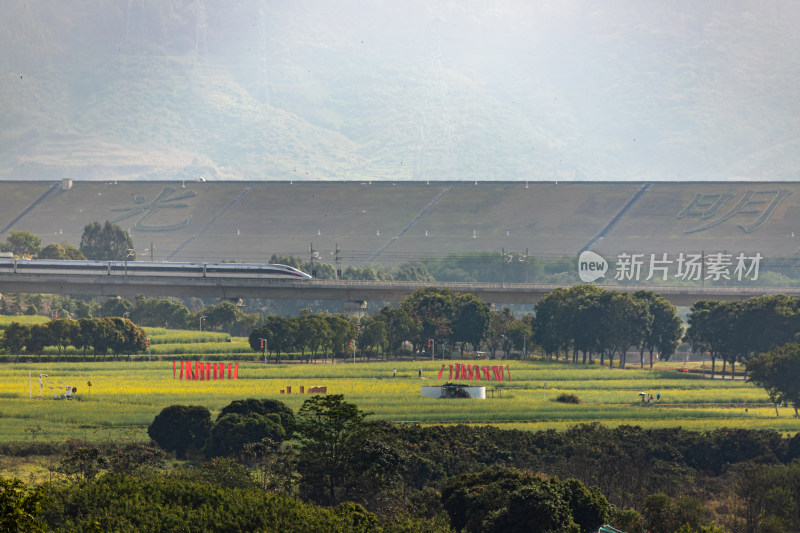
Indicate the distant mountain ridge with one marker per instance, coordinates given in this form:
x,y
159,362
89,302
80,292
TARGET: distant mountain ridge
x,y
252,90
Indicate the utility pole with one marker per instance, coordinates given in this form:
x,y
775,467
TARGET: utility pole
x,y
525,259
504,258
314,259
338,259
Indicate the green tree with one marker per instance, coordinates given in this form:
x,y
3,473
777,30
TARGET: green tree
x,y
85,462
123,336
663,514
115,307
40,336
373,335
513,501
134,457
318,331
434,310
624,320
495,336
713,329
20,507
777,372
263,406
106,242
85,309
60,252
400,327
413,272
15,337
549,315
332,433
161,312
23,243
279,333
665,329
342,331
471,319
63,331
519,333
181,428
232,431
221,314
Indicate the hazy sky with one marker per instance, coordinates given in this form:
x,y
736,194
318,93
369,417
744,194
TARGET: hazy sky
x,y
402,90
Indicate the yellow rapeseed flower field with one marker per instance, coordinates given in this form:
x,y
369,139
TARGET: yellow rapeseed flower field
x,y
124,397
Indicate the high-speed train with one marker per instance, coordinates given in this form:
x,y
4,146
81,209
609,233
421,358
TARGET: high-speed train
x,y
141,268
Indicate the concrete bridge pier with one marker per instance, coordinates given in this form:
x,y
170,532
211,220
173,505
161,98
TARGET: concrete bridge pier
x,y
355,307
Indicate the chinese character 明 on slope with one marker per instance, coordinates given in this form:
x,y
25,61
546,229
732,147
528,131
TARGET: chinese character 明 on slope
x,y
758,206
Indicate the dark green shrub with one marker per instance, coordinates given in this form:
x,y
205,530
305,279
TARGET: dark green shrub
x,y
180,428
262,407
232,431
568,398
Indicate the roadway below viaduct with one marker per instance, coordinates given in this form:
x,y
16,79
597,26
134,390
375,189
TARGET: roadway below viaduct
x,y
346,291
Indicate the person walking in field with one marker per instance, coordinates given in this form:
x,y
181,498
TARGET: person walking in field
x,y
394,373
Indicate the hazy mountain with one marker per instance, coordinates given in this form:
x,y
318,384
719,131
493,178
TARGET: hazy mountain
x,y
160,89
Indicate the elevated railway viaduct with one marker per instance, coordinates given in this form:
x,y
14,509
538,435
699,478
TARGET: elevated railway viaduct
x,y
345,291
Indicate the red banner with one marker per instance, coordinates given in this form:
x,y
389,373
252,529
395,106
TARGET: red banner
x,y
174,369
471,372
229,371
208,371
236,371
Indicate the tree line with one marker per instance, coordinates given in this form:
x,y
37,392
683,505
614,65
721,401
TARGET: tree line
x,y
426,319
736,332
585,320
99,242
119,335
588,320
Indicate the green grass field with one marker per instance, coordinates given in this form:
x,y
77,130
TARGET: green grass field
x,y
126,396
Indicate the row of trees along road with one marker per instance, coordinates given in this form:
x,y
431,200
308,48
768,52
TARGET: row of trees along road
x,y
119,335
99,242
438,315
591,320
584,319
738,331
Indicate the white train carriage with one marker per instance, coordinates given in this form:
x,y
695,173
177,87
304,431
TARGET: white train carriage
x,y
142,268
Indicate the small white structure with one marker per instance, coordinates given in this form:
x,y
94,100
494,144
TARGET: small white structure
x,y
451,390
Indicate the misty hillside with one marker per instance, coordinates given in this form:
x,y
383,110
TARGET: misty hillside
x,y
424,90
